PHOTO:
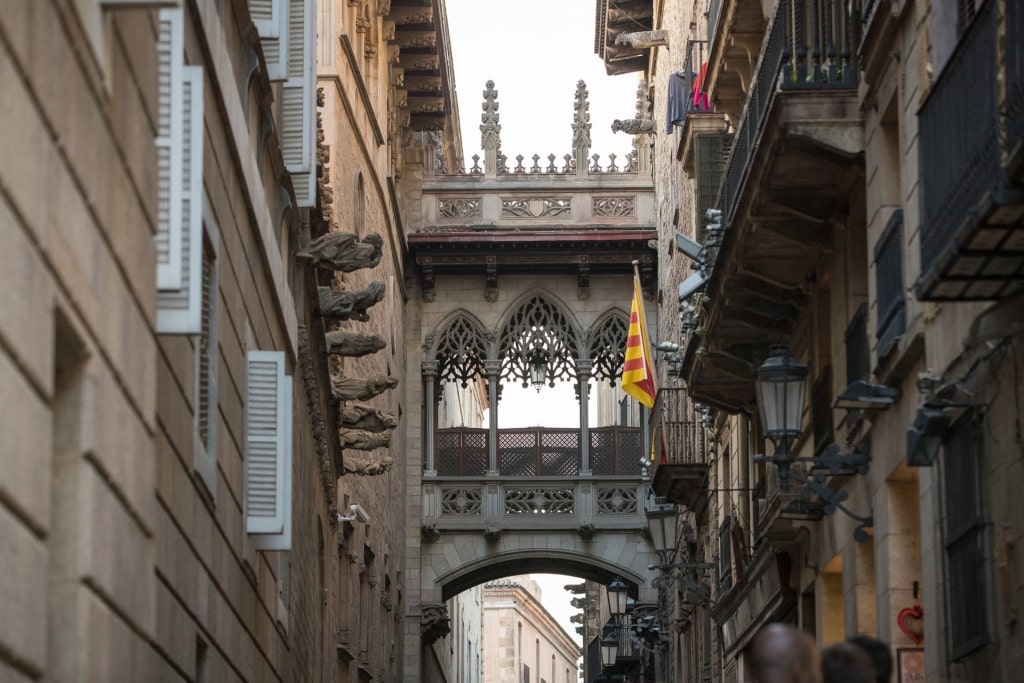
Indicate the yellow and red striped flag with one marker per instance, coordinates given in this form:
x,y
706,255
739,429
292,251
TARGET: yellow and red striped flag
x,y
637,371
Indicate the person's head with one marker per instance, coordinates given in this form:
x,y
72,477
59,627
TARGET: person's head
x,y
781,653
846,663
880,654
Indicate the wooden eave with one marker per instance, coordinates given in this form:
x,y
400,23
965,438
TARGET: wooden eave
x,y
615,17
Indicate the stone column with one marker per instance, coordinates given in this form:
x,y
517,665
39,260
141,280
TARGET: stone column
x,y
493,370
583,368
429,369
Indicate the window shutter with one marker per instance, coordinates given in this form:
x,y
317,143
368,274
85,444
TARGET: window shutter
x,y
298,112
268,418
170,49
271,22
205,453
179,310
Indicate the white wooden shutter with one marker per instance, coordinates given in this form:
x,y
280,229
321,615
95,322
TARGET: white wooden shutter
x,y
271,22
170,52
268,417
298,102
282,540
179,311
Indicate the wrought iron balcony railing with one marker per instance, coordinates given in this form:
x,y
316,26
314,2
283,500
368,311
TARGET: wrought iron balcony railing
x,y
808,46
539,452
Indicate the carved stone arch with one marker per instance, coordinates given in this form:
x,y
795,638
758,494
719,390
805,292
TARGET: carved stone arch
x,y
538,324
606,345
586,565
460,347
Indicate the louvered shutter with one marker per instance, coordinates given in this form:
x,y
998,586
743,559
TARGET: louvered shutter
x,y
298,110
271,22
267,445
282,540
179,310
170,49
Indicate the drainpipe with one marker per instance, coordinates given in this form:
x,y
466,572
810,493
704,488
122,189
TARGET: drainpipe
x,y
429,406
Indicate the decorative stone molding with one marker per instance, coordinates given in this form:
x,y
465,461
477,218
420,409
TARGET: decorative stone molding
x,y
458,208
581,118
328,475
434,622
536,208
614,207
490,129
642,40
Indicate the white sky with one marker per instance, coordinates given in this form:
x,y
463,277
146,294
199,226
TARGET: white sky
x,y
535,51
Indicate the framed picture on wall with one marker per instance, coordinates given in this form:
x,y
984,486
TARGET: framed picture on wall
x,y
910,665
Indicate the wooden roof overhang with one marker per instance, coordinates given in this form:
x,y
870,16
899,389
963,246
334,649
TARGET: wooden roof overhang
x,y
615,17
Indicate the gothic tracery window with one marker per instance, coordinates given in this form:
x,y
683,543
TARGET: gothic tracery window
x,y
461,352
537,331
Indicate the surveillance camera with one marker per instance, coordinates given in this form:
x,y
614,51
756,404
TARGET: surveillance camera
x,y
693,250
355,514
691,284
667,347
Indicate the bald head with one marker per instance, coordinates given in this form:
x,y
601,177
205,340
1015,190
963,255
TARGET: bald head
x,y
781,653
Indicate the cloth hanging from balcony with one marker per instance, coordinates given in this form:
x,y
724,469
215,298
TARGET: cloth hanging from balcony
x,y
678,96
700,98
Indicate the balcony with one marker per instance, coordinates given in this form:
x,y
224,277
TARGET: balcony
x,y
794,157
681,467
735,32
972,227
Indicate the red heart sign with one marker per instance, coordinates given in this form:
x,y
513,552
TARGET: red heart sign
x,y
911,622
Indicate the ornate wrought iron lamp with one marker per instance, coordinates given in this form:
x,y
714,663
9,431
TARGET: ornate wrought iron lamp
x,y
781,386
538,360
618,594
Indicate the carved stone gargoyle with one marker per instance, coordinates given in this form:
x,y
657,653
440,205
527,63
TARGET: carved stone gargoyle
x,y
349,305
361,388
368,467
633,126
641,40
351,344
363,416
343,251
434,623
362,440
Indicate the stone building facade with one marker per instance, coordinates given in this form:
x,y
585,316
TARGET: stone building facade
x,y
854,208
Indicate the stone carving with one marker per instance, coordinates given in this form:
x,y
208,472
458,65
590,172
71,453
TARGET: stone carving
x,y
581,118
614,207
430,533
361,389
343,251
586,531
641,40
633,126
350,305
458,208
383,8
351,344
434,623
490,129
363,440
368,467
328,476
492,534
535,208
366,417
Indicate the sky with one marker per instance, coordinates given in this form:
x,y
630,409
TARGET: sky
x,y
535,51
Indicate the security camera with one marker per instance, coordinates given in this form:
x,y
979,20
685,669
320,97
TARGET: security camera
x,y
355,514
691,284
694,250
667,347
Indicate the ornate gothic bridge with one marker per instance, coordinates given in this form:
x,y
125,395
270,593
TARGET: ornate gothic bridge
x,y
527,269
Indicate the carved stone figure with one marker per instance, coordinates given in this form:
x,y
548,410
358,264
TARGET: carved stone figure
x,y
368,467
434,622
633,126
362,440
349,305
361,389
363,416
641,40
351,344
343,251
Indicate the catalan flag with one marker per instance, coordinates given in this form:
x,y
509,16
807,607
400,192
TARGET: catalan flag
x,y
637,371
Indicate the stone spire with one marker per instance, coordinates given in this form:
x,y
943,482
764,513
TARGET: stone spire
x,y
490,138
581,120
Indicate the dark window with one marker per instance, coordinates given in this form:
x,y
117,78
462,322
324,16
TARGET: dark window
x,y
725,555
892,320
821,410
858,354
965,538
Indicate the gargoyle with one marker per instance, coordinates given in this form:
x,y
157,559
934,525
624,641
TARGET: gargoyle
x,y
349,305
360,388
362,440
363,416
351,344
343,251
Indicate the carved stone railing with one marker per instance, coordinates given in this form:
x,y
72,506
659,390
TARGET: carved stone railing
x,y
550,503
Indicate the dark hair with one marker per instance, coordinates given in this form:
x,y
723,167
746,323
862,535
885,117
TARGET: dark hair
x,y
880,654
846,663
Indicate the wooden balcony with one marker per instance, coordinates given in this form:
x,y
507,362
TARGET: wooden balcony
x,y
972,227
792,174
680,464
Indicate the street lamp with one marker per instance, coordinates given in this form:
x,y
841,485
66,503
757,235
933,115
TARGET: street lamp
x,y
538,360
609,647
661,521
780,386
618,594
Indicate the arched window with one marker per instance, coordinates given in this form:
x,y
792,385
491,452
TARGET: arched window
x,y
538,331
